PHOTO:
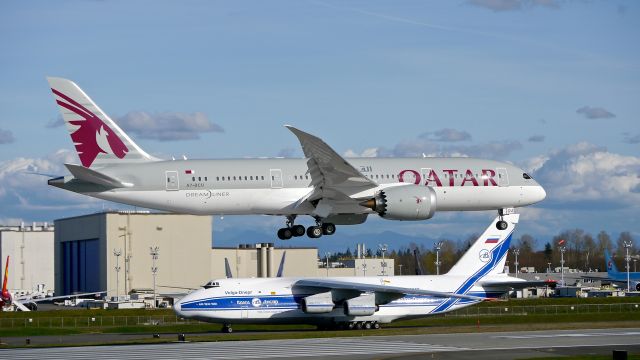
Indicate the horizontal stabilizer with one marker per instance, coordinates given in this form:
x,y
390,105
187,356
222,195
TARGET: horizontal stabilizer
x,y
517,285
95,177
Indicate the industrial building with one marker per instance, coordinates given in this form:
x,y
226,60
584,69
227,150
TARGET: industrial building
x,y
31,257
111,251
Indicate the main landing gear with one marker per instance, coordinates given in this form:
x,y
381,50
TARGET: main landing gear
x,y
313,232
351,325
227,329
501,224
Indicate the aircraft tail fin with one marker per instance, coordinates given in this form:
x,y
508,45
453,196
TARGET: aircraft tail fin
x,y
611,265
5,296
6,276
227,269
281,267
97,138
488,254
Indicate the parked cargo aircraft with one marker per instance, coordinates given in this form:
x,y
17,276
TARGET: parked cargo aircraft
x,y
324,185
620,277
28,303
359,301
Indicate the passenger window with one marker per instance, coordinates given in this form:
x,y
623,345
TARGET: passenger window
x,y
250,177
245,178
262,177
193,178
199,178
234,178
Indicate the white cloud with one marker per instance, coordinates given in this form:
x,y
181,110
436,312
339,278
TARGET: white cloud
x,y
6,137
25,194
447,135
536,138
595,112
584,174
167,126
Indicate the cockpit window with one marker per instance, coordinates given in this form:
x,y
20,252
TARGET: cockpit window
x,y
526,176
211,284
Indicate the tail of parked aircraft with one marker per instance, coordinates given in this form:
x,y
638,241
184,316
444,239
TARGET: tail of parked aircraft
x,y
97,138
5,296
488,254
611,265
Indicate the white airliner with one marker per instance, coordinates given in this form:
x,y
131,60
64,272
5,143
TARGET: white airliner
x,y
29,302
324,185
362,302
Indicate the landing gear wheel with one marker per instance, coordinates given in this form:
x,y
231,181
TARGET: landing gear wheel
x,y
376,325
328,229
297,230
227,329
314,232
351,326
359,325
502,225
285,234
367,325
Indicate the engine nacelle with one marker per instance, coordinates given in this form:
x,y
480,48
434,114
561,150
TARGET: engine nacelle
x,y
318,303
363,305
405,202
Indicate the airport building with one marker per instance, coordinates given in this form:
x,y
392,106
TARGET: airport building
x,y
112,251
31,261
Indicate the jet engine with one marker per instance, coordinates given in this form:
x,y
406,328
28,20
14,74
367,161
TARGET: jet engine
x,y
363,305
636,285
318,303
406,202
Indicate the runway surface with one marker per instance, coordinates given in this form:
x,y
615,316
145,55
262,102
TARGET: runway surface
x,y
451,346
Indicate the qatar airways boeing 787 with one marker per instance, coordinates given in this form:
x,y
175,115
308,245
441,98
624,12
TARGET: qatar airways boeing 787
x,y
324,185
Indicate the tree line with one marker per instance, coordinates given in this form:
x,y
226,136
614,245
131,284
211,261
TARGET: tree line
x,y
583,252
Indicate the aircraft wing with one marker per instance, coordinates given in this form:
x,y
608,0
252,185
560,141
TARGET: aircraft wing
x,y
383,289
27,300
519,284
329,170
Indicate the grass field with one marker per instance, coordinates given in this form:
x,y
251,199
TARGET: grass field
x,y
535,314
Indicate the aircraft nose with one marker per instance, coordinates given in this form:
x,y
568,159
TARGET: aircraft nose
x,y
539,194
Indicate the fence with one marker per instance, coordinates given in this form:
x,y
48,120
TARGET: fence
x,y
546,309
104,321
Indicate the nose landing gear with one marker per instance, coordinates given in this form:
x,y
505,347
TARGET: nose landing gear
x,y
501,224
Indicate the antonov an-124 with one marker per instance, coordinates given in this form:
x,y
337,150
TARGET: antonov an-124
x,y
324,185
360,302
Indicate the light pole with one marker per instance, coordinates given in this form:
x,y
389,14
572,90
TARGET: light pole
x,y
437,246
117,254
516,252
634,265
326,255
548,268
383,250
400,266
562,250
154,251
627,245
364,269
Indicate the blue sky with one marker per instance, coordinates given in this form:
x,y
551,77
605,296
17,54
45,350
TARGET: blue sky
x,y
552,86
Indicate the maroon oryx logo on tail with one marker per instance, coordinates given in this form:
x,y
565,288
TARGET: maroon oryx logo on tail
x,y
89,133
